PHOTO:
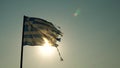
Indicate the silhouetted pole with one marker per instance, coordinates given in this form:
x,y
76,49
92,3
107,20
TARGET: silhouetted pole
x,y
21,59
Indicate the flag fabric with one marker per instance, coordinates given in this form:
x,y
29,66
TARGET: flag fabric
x,y
36,31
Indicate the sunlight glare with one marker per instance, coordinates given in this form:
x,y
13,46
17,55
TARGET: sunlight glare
x,y
47,49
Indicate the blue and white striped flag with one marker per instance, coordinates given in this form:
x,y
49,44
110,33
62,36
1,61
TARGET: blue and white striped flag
x,y
37,30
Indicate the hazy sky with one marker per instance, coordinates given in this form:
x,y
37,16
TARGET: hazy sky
x,y
91,33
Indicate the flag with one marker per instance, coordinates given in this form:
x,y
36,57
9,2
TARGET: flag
x,y
36,31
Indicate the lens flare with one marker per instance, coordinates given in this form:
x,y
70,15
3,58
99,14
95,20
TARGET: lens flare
x,y
76,12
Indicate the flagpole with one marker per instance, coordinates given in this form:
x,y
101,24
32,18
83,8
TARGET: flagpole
x,y
21,58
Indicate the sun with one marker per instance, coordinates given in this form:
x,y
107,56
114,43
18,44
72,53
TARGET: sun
x,y
47,49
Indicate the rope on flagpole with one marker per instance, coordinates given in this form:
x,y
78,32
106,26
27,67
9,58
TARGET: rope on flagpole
x,y
59,54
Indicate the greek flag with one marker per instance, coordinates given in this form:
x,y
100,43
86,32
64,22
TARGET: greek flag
x,y
36,30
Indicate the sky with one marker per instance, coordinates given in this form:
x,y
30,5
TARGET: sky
x,y
91,33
